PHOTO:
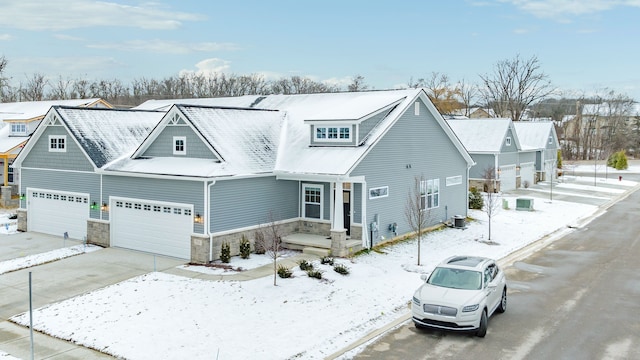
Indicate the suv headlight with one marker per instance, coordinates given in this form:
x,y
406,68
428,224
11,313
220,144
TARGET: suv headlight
x,y
416,301
470,308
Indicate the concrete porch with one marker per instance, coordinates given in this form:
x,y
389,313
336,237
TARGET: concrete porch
x,y
317,244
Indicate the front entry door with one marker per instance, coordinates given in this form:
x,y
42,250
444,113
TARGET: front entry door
x,y
346,210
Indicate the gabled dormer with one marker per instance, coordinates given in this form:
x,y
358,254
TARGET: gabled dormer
x,y
23,127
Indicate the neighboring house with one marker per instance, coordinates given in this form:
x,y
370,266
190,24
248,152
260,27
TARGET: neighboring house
x,y
336,166
20,119
540,147
494,146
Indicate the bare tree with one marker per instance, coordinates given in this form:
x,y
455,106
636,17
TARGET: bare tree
x,y
357,84
61,89
514,85
468,95
35,87
416,211
3,81
492,197
268,238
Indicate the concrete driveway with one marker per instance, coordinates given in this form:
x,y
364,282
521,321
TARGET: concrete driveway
x,y
60,280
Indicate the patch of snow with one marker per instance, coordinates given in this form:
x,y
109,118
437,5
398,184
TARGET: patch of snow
x,y
49,256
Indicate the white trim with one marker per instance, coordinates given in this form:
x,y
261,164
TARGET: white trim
x,y
416,108
305,186
381,194
184,145
338,128
453,180
58,148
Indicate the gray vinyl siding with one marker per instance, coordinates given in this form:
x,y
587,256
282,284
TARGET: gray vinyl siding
x,y
509,158
78,182
484,162
248,202
315,142
368,125
162,146
527,157
176,191
539,161
416,146
72,159
357,204
509,148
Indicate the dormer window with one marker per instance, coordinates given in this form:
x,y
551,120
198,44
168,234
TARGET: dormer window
x,y
18,129
331,133
179,145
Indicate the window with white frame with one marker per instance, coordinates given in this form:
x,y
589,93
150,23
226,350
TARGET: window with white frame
x,y
179,145
430,194
508,141
454,180
57,143
19,129
550,140
330,133
312,207
378,192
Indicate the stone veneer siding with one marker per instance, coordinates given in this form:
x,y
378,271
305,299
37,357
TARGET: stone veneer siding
x,y
98,232
22,219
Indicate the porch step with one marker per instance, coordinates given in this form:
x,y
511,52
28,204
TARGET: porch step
x,y
316,251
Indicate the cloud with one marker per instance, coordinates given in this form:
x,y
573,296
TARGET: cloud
x,y
72,14
564,10
68,66
209,67
5,37
166,47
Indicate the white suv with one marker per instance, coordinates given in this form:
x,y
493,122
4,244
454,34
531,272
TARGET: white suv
x,y
460,294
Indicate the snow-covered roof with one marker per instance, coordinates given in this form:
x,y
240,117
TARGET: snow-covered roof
x,y
32,109
246,140
482,135
294,155
107,134
534,135
9,143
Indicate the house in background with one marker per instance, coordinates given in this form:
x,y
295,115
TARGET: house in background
x,y
334,171
494,146
540,147
18,120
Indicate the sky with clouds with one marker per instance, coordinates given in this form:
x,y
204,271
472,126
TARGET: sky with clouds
x,y
583,45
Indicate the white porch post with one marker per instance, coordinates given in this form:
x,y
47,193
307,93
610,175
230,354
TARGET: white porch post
x,y
338,208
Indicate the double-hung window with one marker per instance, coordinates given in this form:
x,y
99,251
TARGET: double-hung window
x,y
312,207
429,194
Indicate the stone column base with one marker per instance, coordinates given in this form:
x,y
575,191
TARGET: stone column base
x,y
200,249
339,243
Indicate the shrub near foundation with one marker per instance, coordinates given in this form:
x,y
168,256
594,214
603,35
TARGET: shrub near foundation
x,y
245,247
225,252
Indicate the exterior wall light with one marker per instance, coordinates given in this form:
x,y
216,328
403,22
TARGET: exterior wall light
x,y
104,207
198,219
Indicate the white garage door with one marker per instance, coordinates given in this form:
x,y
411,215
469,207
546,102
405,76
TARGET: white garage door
x,y
507,177
155,227
57,213
527,174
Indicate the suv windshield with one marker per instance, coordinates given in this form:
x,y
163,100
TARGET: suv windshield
x,y
456,278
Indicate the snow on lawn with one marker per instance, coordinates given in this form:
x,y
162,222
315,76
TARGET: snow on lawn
x,y
49,256
236,264
159,315
5,356
7,225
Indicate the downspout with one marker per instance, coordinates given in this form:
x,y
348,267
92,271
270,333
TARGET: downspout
x,y
207,227
365,226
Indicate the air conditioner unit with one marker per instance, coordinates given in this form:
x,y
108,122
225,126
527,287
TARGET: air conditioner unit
x,y
525,204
